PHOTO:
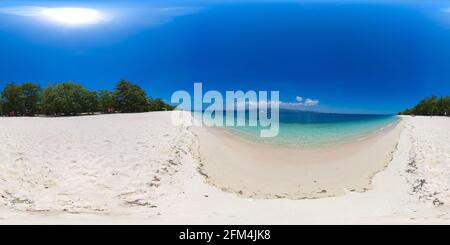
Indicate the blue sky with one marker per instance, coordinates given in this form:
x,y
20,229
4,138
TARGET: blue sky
x,y
351,56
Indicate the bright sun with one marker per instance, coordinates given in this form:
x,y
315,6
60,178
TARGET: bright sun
x,y
72,16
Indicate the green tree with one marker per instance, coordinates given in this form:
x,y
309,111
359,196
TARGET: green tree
x,y
406,112
129,98
69,98
64,99
13,100
159,105
427,106
445,105
430,106
31,96
90,102
106,101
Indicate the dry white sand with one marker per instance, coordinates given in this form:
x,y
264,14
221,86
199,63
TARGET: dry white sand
x,y
138,168
106,165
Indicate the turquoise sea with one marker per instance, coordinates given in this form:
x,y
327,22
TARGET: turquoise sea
x,y
305,129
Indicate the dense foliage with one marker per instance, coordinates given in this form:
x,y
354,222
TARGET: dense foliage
x,y
31,98
20,100
105,101
64,99
128,97
431,106
71,99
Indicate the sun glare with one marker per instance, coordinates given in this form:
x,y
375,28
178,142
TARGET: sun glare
x,y
72,16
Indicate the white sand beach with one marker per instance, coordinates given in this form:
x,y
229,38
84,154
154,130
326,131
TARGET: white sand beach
x,y
140,169
263,171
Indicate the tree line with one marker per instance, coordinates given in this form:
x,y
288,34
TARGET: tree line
x,y
70,99
430,106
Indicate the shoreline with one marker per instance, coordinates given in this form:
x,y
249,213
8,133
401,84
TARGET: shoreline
x,y
352,139
145,172
293,172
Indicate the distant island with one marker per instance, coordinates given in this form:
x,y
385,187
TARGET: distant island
x,y
430,106
71,99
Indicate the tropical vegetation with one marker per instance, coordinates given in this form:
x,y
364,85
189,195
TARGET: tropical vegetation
x,y
430,106
70,99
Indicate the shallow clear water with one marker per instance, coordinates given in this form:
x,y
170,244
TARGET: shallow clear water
x,y
298,128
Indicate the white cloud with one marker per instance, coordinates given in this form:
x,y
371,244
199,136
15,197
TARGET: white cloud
x,y
311,102
242,105
301,102
254,104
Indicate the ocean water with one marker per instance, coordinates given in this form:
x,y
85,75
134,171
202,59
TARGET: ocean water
x,y
305,129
